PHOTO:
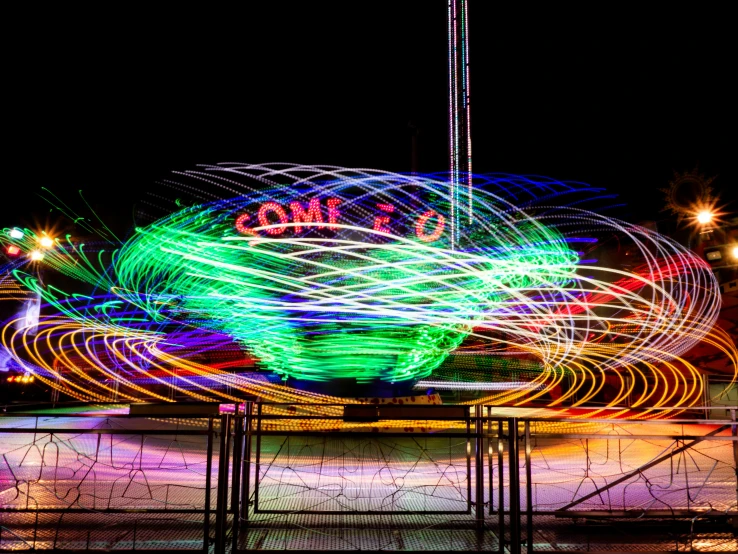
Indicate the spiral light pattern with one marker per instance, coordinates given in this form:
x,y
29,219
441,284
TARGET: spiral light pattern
x,y
325,273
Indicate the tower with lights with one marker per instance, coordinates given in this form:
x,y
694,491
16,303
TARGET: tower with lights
x,y
460,150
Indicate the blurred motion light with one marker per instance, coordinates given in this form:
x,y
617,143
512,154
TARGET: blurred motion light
x,y
13,250
16,233
37,256
24,379
46,242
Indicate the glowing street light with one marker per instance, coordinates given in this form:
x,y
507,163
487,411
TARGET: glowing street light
x,y
46,242
704,217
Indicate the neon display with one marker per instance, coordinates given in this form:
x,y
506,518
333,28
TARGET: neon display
x,y
241,222
273,207
381,222
312,215
333,212
420,226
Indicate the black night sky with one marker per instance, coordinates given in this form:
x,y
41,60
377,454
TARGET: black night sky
x,y
616,97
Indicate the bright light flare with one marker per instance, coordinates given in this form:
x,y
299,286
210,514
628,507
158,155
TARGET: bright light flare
x,y
15,233
46,242
734,251
704,217
37,256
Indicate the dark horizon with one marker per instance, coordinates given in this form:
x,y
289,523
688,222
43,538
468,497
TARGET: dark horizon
x,y
621,104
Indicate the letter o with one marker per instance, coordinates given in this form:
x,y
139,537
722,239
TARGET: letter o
x,y
267,207
420,226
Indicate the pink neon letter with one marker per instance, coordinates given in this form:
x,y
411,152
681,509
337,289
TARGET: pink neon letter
x,y
420,226
241,225
312,215
267,207
333,213
381,220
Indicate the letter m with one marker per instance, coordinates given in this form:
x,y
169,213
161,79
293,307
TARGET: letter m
x,y
312,215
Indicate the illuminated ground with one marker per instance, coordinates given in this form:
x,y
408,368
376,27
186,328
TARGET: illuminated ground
x,y
343,473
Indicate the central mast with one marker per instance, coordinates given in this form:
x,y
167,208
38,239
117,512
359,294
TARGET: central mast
x,y
460,152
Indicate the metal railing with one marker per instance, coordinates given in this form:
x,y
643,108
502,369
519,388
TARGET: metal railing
x,y
220,482
109,469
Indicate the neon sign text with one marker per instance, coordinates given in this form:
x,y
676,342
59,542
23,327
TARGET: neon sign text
x,y
272,213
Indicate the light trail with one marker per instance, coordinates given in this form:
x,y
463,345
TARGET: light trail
x,y
324,273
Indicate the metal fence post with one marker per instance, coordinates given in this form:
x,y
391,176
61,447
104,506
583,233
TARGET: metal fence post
x,y
221,502
501,484
734,432
236,473
246,471
479,464
257,469
528,491
514,484
491,475
208,483
469,498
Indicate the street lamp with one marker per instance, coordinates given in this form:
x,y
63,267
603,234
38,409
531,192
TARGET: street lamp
x,y
704,217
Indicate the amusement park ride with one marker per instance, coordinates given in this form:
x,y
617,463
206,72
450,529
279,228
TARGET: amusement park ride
x,y
329,284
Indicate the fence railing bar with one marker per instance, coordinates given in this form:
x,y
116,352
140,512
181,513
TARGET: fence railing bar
x,y
236,477
514,484
528,491
42,432
501,487
724,438
479,466
208,479
643,468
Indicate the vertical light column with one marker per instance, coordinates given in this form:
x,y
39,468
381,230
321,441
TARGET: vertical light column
x,y
467,104
453,114
460,158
